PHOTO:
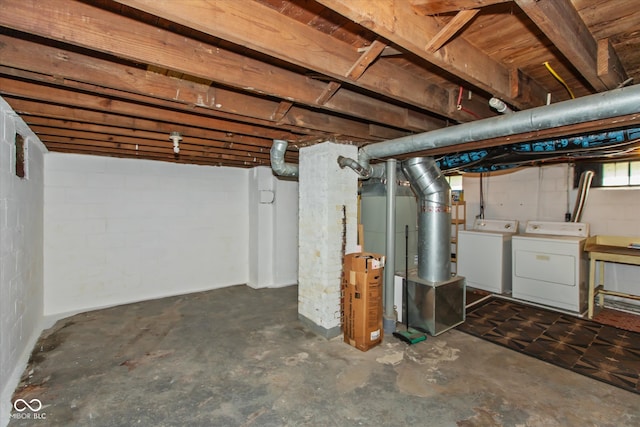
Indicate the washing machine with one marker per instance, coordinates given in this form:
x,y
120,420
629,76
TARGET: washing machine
x,y
484,254
550,266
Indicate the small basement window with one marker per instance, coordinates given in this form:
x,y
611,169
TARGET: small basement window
x,y
611,174
20,156
455,182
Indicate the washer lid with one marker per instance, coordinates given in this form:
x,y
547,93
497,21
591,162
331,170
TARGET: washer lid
x,y
577,229
496,225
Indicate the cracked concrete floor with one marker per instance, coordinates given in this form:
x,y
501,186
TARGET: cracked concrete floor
x,y
239,357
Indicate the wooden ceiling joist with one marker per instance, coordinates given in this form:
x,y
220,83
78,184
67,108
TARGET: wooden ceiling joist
x,y
267,31
72,69
72,22
122,147
156,140
458,57
167,157
562,24
28,108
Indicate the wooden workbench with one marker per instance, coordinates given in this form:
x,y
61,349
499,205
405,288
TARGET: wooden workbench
x,y
603,249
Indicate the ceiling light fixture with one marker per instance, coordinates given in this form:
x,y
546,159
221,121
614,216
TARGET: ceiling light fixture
x,y
176,138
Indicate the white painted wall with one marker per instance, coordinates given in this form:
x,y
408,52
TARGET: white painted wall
x,y
21,257
286,232
273,230
540,193
124,230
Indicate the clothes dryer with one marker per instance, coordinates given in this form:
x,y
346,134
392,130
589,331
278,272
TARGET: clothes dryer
x,y
550,266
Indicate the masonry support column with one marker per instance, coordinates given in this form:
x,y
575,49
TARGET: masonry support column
x,y
327,230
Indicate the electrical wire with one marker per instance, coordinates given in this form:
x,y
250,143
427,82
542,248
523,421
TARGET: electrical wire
x,y
481,214
557,76
461,108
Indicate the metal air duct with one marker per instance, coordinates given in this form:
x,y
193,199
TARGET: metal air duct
x,y
278,164
434,218
605,105
435,300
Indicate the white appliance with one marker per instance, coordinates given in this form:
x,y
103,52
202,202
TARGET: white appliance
x,y
550,266
484,254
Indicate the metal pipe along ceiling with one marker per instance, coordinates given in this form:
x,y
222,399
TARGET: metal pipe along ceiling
x,y
605,105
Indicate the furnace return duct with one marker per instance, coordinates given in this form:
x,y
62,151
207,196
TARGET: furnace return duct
x,y
435,300
434,218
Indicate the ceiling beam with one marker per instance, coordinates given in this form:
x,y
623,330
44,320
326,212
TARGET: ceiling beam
x,y
564,27
47,127
95,101
610,68
86,26
143,146
208,160
457,57
29,107
324,123
265,30
434,7
62,64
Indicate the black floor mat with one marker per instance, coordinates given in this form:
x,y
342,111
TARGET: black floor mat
x,y
589,348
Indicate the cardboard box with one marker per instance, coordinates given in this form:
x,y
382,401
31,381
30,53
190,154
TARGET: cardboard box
x,y
362,300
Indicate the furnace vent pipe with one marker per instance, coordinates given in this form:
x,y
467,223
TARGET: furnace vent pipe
x,y
434,218
583,191
605,105
278,164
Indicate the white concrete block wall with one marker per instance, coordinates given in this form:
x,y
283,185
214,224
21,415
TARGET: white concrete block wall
x,y
326,194
541,194
273,229
21,257
124,230
537,193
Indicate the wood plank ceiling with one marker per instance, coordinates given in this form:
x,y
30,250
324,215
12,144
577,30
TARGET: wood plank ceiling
x,y
116,77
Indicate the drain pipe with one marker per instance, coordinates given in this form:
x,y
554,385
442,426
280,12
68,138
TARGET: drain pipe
x,y
389,317
278,164
605,105
434,218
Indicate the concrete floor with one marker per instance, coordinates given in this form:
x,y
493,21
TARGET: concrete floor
x,y
239,357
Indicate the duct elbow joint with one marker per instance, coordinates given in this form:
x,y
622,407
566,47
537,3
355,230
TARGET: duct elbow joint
x,y
278,165
357,167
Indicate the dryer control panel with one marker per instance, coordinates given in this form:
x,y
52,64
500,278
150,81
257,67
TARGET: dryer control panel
x,y
576,229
